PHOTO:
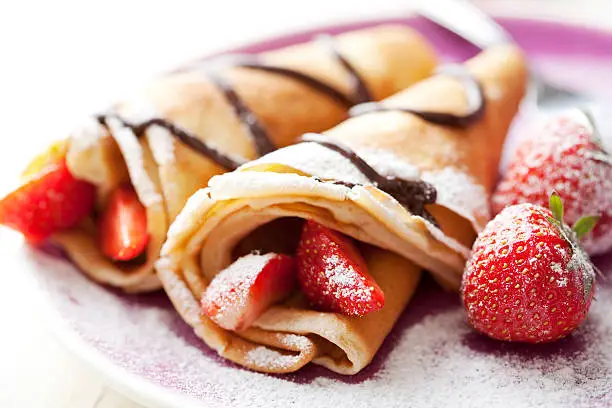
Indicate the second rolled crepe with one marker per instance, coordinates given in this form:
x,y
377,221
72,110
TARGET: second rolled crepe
x,y
258,207
162,140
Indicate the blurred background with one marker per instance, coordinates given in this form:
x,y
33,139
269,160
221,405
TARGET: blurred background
x,y
62,59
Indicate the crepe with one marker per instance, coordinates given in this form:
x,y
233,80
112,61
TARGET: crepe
x,y
215,103
258,206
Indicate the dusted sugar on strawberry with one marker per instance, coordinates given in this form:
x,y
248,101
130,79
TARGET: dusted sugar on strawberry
x,y
240,293
333,275
528,280
565,157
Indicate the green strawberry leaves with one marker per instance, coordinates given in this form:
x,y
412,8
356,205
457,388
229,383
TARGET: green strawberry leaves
x,y
580,261
584,225
556,206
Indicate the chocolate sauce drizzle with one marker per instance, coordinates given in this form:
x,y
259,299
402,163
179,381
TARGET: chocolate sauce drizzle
x,y
412,194
307,80
263,142
261,138
182,135
475,97
361,94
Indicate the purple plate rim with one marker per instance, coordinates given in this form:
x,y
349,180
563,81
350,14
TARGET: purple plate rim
x,y
601,34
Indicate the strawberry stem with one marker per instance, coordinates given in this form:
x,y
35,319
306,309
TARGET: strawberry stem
x,y
556,206
600,155
584,225
596,138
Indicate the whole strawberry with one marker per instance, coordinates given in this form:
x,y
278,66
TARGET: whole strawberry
x,y
528,279
565,157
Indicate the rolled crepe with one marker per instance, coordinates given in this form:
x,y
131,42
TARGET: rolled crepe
x,y
115,148
258,206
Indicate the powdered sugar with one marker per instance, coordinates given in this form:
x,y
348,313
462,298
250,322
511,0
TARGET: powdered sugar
x,y
337,273
345,281
294,342
229,292
162,145
456,190
459,192
87,134
388,164
266,357
315,160
139,110
489,374
432,357
560,158
240,273
134,158
319,161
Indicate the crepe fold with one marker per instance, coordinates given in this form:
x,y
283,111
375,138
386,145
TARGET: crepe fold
x,y
258,207
108,151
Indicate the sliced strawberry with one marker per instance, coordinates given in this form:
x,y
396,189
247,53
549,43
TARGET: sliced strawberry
x,y
333,275
48,201
240,293
123,225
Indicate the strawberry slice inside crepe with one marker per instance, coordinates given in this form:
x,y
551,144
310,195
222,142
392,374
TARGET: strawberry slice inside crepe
x,y
331,273
123,225
239,294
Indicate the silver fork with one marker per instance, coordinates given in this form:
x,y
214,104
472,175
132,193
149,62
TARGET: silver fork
x,y
470,23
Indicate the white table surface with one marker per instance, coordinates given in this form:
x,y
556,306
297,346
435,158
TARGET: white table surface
x,y
60,59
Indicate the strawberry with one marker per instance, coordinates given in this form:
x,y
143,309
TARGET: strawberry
x,y
240,293
50,200
123,225
333,275
566,157
528,278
